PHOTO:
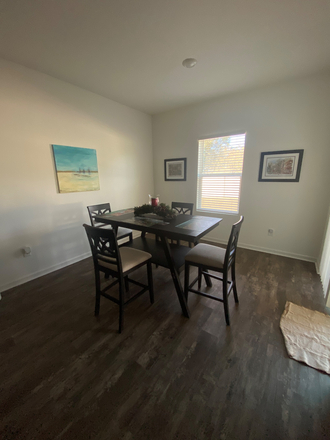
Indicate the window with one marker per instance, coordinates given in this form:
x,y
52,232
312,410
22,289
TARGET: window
x,y
220,166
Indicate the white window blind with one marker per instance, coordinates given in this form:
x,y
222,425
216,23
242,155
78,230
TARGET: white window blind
x,y
220,166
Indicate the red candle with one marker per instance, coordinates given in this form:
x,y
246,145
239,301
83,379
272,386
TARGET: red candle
x,y
154,201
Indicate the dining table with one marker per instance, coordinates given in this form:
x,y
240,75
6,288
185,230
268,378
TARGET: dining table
x,y
165,245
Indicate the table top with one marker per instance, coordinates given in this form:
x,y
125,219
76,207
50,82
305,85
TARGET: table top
x,y
182,227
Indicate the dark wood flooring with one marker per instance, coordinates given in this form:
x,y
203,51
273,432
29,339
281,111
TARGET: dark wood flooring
x,y
68,375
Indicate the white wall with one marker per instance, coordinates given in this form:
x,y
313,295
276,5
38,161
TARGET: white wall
x,y
290,115
36,111
324,262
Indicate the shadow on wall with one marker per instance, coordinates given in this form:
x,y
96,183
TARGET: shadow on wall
x,y
54,234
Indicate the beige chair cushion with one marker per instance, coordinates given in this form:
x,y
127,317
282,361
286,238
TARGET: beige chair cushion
x,y
129,259
207,255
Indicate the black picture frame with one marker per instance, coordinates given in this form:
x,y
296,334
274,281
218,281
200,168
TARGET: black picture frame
x,y
280,166
175,169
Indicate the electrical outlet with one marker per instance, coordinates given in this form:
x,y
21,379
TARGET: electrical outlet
x,y
271,232
27,251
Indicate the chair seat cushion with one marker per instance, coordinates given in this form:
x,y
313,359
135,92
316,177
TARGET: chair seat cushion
x,y
207,255
129,259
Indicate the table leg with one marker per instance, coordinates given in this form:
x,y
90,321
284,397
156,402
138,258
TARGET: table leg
x,y
175,277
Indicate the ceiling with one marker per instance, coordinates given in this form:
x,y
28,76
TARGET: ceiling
x,y
131,51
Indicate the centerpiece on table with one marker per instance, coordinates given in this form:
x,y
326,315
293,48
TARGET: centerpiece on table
x,y
162,211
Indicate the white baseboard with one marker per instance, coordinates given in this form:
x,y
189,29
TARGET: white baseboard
x,y
317,266
269,251
70,261
213,240
42,272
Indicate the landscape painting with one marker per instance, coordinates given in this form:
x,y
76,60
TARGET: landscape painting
x,y
76,169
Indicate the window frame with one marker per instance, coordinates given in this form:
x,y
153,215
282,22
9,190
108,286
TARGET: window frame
x,y
219,211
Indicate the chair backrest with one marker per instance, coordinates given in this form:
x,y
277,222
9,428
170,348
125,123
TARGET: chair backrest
x,y
232,244
94,210
104,246
183,208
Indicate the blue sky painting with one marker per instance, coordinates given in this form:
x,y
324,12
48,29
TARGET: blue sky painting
x,y
76,169
74,158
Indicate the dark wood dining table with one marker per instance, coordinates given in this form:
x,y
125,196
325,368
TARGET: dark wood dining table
x,y
189,228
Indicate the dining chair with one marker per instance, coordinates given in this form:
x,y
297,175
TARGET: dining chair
x,y
104,208
183,208
208,257
119,262
180,208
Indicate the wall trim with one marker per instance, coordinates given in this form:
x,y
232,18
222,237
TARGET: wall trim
x,y
268,251
40,273
73,260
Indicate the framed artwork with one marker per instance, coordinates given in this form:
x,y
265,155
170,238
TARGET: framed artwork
x,y
280,166
175,169
76,169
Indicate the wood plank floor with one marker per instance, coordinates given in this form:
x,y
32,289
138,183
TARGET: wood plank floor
x,y
68,375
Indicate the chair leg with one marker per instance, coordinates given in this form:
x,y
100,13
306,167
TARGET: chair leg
x,y
225,298
186,279
131,237
200,273
233,278
97,294
121,304
150,282
126,284
97,303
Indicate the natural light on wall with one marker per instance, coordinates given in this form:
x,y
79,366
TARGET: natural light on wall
x,y
220,167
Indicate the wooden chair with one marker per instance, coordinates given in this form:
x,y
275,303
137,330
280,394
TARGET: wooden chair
x,y
207,257
104,208
183,208
119,263
180,208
